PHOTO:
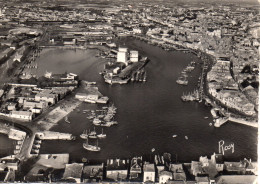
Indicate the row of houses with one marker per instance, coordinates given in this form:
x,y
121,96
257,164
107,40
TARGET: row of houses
x,y
222,86
204,171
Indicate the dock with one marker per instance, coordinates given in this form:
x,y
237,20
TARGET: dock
x,y
220,121
50,135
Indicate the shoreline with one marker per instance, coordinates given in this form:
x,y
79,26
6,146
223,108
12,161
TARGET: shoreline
x,y
211,63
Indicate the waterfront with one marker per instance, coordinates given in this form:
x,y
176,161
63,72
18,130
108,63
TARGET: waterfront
x,y
148,113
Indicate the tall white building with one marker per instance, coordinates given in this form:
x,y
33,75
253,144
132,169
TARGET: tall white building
x,y
134,56
122,55
149,172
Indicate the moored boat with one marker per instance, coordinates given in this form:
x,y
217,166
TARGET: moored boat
x,y
84,135
102,135
89,147
67,119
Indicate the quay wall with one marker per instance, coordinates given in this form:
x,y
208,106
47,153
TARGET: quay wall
x,y
244,122
232,119
50,135
63,47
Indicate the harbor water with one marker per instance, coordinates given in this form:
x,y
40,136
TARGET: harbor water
x,y
6,145
149,113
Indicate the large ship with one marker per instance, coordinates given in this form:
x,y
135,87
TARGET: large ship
x,y
89,147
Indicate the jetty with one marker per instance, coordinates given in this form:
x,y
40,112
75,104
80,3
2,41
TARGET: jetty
x,y
220,121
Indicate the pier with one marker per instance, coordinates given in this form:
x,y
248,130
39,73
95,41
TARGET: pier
x,y
220,121
63,46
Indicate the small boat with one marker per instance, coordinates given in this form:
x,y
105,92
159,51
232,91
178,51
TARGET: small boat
x,y
106,124
92,133
153,150
84,159
90,101
96,121
67,119
144,79
174,136
206,117
186,137
92,136
84,135
101,135
210,124
103,100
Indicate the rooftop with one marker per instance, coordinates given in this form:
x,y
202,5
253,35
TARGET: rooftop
x,y
73,171
148,167
93,171
116,164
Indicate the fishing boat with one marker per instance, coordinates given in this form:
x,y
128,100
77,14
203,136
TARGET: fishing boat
x,y
106,124
182,80
84,135
113,122
67,119
93,134
141,76
102,135
96,121
145,75
133,77
137,76
89,147
90,100
103,100
174,136
90,117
